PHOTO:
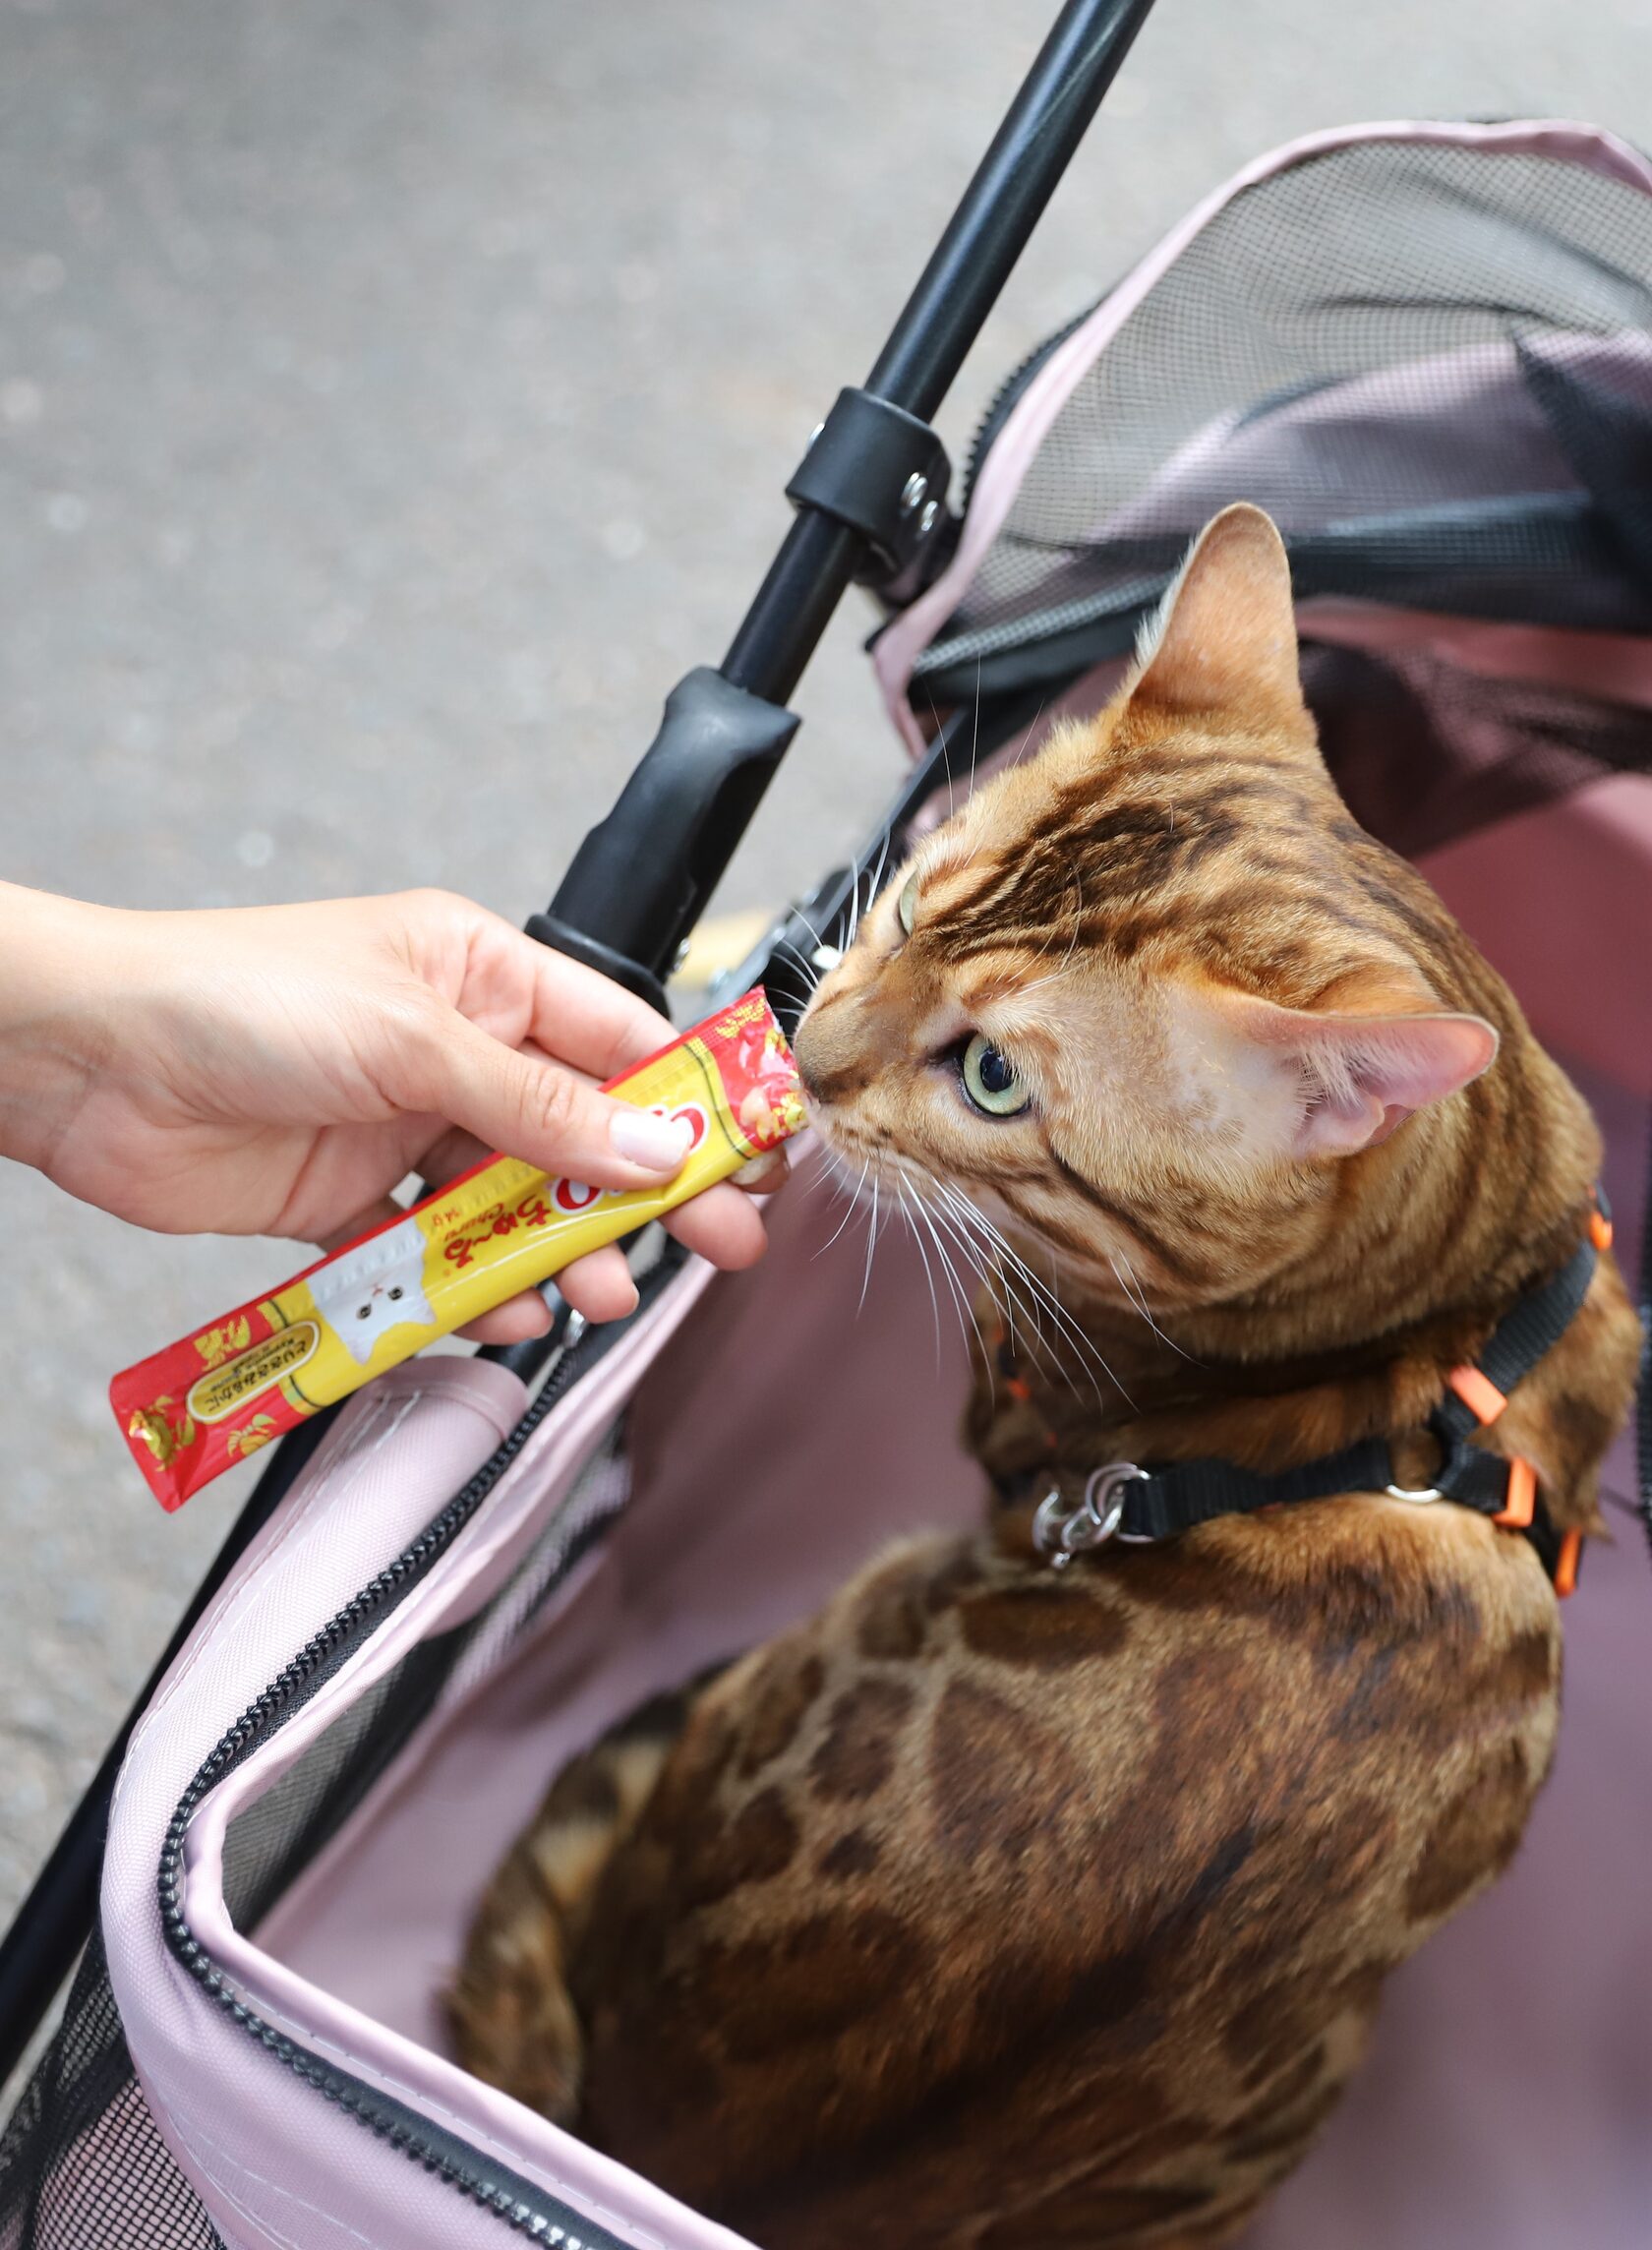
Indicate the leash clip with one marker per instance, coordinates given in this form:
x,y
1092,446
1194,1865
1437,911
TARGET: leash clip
x,y
1061,1532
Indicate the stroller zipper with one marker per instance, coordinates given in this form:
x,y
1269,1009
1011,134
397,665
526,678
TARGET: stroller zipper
x,y
521,2203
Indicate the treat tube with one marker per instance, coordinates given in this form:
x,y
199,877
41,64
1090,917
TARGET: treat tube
x,y
190,1411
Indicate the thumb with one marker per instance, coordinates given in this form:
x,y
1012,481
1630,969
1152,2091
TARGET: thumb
x,y
525,1107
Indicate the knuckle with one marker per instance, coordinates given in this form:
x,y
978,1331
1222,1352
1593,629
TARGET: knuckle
x,y
427,899
554,1099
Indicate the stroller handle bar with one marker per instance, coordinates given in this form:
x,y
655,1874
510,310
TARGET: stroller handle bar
x,y
642,877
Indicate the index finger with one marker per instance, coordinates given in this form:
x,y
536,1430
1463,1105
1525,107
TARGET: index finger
x,y
573,1013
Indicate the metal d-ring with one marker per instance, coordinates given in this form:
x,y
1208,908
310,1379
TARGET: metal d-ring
x,y
1060,1532
1419,1495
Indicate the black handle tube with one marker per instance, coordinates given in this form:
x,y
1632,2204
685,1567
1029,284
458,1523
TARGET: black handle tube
x,y
942,318
793,606
631,894
1004,202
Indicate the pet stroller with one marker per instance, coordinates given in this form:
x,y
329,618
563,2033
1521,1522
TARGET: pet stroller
x,y
1427,349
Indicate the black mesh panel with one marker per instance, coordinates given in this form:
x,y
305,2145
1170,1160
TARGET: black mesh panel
x,y
1431,365
81,2166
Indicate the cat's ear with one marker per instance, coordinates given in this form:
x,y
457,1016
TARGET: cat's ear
x,y
1330,1085
1224,638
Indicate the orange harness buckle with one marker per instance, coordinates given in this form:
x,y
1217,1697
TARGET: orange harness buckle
x,y
1565,1569
1521,1504
1485,1402
1478,1393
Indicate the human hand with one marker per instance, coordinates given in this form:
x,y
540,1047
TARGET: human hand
x,y
277,1070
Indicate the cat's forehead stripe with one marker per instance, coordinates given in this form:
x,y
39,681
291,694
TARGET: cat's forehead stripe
x,y
950,879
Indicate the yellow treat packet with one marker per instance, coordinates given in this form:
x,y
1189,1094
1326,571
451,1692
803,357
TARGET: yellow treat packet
x,y
211,1398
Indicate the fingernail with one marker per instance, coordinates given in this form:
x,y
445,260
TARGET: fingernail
x,y
658,1144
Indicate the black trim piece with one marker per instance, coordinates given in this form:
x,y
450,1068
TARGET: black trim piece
x,y
1453,557
521,2203
881,472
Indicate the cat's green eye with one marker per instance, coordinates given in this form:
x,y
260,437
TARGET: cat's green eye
x,y
992,1083
907,906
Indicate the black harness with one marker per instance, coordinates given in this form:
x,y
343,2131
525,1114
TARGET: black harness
x,y
1125,1502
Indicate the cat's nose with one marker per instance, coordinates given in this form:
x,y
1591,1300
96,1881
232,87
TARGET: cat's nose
x,y
829,1055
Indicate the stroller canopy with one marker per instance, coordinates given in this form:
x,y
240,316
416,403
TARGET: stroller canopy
x,y
1426,351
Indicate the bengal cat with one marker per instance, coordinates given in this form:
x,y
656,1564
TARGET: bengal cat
x,y
996,1908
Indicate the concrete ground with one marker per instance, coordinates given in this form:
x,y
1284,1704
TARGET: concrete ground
x,y
395,399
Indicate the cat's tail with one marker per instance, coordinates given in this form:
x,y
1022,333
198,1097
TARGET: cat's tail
x,y
512,2018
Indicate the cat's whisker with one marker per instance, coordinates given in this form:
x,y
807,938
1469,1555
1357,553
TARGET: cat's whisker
x,y
1041,1353
994,1279
959,1295
918,1218
807,969
1005,1280
974,1261
934,1301
858,869
811,1176
871,1245
876,885
1137,1298
946,755
853,1207
820,942
1065,1322
907,1198
982,1256
1021,749
1132,1298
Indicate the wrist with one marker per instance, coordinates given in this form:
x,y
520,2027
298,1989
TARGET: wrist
x,y
54,1015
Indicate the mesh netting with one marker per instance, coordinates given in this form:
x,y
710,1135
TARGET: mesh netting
x,y
81,2165
1430,364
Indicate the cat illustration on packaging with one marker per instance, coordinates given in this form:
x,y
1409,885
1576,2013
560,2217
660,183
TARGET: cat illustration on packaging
x,y
378,1287
999,1906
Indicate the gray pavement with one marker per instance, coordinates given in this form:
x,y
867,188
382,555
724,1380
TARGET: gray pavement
x,y
395,399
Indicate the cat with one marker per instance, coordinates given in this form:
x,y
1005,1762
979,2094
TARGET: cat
x,y
1001,1906
379,1285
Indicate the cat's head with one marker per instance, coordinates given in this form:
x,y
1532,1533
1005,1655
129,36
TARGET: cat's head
x,y
1153,996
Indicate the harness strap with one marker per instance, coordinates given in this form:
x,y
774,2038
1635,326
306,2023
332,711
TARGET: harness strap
x,y
1125,1502
1516,1345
